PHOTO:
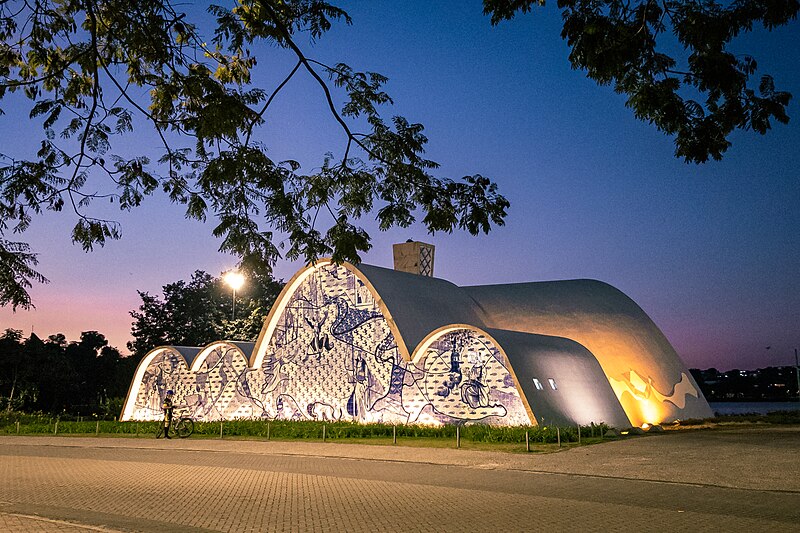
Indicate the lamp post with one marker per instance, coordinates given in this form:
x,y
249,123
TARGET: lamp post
x,y
235,280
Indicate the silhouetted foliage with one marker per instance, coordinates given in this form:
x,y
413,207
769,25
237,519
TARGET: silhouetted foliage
x,y
16,271
85,377
93,70
699,91
200,311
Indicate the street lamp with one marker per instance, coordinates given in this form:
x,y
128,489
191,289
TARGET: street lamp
x,y
235,280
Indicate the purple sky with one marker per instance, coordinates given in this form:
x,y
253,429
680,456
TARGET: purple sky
x,y
711,252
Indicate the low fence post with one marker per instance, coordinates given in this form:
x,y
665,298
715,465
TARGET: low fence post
x,y
323,432
527,442
579,433
17,427
558,436
97,429
55,431
267,430
458,436
220,429
394,433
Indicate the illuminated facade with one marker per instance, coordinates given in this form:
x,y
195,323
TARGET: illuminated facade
x,y
371,344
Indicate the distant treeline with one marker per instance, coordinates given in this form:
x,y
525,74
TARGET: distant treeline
x,y
773,384
85,378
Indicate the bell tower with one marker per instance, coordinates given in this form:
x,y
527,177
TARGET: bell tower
x,y
414,257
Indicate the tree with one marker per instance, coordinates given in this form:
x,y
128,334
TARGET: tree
x,y
200,311
101,375
56,380
83,358
628,44
16,267
14,377
85,65
58,376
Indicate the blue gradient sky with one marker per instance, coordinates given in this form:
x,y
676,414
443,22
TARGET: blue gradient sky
x,y
711,252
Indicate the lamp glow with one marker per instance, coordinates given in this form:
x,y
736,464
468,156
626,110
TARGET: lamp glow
x,y
235,280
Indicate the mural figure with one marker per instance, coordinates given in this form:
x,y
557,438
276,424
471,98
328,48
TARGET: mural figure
x,y
319,342
473,391
454,375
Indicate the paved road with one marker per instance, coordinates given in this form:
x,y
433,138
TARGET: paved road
x,y
708,481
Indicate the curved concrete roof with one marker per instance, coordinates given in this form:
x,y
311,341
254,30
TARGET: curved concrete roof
x,y
636,356
582,394
419,305
245,347
188,352
645,372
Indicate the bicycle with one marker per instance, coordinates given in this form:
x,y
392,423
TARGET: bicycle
x,y
182,426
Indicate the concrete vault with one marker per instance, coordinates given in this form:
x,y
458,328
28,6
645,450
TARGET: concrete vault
x,y
371,344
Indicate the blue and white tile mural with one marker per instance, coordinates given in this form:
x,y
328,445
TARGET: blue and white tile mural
x,y
331,355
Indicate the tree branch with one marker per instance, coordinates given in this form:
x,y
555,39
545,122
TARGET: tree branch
x,y
302,58
260,114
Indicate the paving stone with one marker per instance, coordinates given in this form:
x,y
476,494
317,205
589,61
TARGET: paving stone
x,y
105,484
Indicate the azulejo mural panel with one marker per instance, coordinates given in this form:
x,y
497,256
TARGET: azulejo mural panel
x,y
466,377
331,354
218,389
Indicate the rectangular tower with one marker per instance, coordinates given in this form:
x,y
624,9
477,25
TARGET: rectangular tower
x,y
414,257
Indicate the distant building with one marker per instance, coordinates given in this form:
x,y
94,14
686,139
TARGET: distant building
x,y
773,384
371,344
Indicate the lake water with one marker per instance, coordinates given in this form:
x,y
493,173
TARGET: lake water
x,y
740,408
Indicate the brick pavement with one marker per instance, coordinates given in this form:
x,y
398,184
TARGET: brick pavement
x,y
88,484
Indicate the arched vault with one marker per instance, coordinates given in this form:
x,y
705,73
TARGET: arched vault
x,y
372,344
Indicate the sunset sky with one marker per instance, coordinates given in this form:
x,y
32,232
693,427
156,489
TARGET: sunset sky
x,y
710,252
